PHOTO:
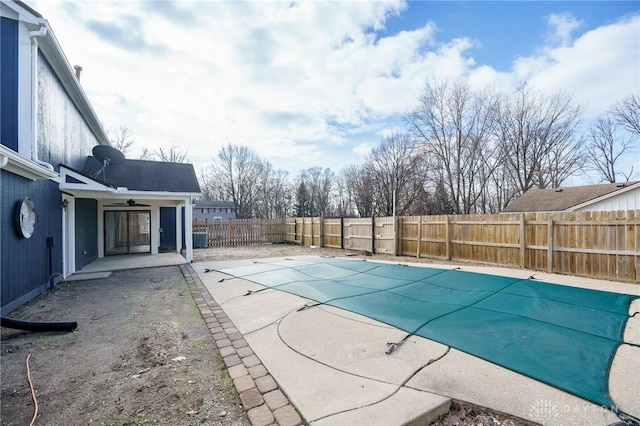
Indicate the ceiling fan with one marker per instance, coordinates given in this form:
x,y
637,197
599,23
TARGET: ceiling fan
x,y
129,203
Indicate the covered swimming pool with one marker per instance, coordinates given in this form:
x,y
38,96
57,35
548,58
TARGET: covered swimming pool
x,y
564,336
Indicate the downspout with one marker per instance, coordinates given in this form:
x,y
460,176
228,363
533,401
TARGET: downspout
x,y
33,35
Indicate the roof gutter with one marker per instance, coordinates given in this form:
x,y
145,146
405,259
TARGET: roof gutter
x,y
33,35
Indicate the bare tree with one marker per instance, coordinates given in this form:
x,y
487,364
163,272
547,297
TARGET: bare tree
x,y
396,168
145,154
210,190
565,158
237,172
173,155
537,135
343,198
502,189
121,138
627,113
274,192
360,185
319,184
455,126
607,147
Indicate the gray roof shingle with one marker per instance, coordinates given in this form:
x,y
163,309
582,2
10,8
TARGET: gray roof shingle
x,y
144,175
560,199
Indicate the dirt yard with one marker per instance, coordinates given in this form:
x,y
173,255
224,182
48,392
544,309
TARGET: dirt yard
x,y
141,354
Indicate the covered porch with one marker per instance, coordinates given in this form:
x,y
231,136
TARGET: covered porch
x,y
108,228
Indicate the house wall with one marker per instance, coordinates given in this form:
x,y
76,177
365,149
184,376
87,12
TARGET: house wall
x,y
86,225
63,136
9,82
213,213
27,264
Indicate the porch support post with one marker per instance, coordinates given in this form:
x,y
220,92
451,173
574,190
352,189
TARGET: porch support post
x,y
188,229
68,236
179,241
155,229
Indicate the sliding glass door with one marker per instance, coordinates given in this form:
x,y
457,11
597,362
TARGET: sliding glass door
x,y
127,232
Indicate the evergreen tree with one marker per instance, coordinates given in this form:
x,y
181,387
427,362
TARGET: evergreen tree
x,y
303,202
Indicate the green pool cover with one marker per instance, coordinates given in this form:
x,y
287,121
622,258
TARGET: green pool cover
x,y
563,336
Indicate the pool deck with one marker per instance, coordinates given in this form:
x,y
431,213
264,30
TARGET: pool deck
x,y
332,364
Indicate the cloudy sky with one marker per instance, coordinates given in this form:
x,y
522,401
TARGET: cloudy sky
x,y
319,83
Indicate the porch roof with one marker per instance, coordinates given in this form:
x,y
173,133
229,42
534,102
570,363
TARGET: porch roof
x,y
144,175
141,179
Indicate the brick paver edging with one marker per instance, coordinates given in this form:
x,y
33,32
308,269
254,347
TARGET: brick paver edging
x,y
260,394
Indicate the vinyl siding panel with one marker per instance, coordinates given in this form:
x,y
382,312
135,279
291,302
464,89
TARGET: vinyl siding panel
x,y
9,83
25,268
63,135
86,231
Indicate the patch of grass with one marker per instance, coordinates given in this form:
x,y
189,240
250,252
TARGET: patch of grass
x,y
226,379
51,342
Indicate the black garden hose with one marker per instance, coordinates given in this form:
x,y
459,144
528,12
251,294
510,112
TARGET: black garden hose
x,y
38,326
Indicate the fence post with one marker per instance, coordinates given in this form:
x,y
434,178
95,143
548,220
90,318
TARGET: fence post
x,y
321,231
448,238
419,236
341,233
373,235
523,245
550,245
397,235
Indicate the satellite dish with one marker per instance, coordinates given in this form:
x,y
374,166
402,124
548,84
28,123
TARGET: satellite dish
x,y
108,156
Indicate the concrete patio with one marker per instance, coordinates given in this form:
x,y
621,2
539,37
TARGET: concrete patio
x,y
103,266
333,367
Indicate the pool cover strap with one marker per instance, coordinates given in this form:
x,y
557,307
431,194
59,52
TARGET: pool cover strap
x,y
563,336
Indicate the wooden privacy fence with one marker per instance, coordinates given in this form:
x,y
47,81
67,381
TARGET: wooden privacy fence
x,y
374,235
238,232
604,245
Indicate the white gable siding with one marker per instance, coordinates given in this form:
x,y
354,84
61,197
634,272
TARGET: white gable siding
x,y
626,200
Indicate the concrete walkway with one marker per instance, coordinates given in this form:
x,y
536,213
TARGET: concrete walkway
x,y
332,365
107,264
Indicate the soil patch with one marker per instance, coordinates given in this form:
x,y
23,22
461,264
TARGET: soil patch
x,y
142,354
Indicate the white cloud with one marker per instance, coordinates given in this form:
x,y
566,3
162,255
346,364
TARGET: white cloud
x,y
303,84
599,68
363,149
561,28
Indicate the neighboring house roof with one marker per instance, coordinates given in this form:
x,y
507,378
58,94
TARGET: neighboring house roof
x,y
144,175
214,203
564,199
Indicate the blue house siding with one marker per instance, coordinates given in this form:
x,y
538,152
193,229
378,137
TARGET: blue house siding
x,y
9,83
64,133
28,264
86,231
